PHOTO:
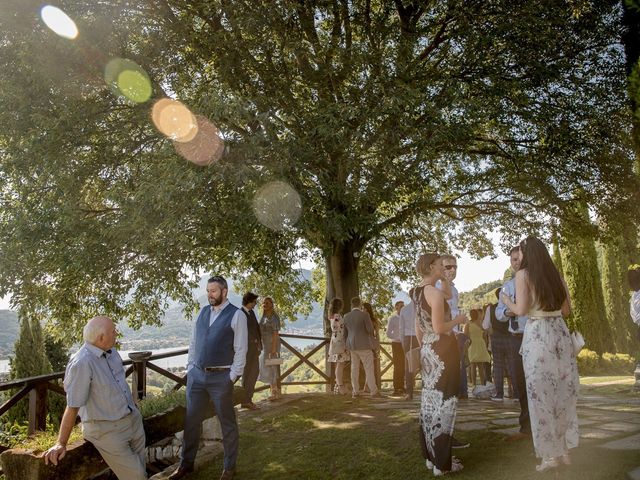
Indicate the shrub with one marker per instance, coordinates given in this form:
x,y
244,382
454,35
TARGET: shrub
x,y
620,363
588,362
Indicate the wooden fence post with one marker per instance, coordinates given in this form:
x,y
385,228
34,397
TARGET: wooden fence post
x,y
37,408
139,375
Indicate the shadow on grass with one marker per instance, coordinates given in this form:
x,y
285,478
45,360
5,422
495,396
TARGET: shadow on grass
x,y
332,438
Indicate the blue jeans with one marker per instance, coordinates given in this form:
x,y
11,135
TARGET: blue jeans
x,y
203,387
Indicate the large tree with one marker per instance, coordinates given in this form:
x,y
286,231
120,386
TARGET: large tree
x,y
403,126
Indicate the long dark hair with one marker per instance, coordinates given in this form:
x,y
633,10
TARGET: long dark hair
x,y
544,278
335,307
374,320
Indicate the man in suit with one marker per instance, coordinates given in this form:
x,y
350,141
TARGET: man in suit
x,y
254,346
359,333
217,354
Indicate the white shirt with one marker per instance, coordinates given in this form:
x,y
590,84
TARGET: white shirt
x,y
486,321
408,320
240,335
393,328
509,289
635,307
453,304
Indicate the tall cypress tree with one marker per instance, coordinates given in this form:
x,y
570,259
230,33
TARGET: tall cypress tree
x,y
580,266
30,359
615,290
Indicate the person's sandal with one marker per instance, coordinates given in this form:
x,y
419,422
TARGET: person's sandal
x,y
546,464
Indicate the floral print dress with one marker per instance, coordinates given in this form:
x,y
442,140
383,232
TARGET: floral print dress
x,y
440,368
337,346
551,375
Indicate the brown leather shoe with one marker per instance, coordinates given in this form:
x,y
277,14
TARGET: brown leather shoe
x,y
227,474
250,406
181,472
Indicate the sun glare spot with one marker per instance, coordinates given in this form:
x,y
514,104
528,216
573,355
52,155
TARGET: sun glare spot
x,y
59,22
206,146
277,205
128,79
174,120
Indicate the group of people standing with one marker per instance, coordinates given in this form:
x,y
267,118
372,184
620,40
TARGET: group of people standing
x,y
534,305
355,339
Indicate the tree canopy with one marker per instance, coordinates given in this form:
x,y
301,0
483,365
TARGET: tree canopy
x,y
392,127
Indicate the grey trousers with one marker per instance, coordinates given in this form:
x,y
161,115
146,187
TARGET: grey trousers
x,y
121,444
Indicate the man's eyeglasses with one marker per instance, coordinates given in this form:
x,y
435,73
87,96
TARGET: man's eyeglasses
x,y
450,267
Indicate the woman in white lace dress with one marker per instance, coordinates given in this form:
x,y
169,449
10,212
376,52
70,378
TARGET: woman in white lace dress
x,y
550,368
440,366
338,352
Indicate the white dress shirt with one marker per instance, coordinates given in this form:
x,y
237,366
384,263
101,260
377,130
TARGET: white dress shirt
x,y
393,328
408,320
453,304
240,335
509,289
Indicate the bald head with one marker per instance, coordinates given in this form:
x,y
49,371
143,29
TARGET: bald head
x,y
100,331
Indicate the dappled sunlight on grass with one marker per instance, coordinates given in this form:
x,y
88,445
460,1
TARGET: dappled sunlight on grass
x,y
335,424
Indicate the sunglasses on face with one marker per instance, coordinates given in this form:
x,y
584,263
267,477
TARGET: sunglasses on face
x,y
451,267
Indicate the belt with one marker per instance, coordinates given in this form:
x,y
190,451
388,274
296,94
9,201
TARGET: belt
x,y
216,369
516,334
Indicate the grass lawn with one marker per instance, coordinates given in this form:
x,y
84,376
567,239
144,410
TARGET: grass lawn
x,y
619,386
328,437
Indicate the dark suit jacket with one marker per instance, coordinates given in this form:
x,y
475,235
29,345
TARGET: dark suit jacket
x,y
359,330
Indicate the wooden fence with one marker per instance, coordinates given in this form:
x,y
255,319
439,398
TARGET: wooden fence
x,y
36,388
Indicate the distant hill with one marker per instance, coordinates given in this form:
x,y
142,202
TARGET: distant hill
x,y
9,330
176,327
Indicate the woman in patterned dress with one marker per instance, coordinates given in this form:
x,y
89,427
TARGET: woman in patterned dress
x,y
269,330
550,368
338,352
440,361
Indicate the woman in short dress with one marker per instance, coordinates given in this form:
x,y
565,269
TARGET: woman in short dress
x,y
338,352
269,327
440,362
550,367
478,353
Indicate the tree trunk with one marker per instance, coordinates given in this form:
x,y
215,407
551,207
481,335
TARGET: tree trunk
x,y
342,275
342,282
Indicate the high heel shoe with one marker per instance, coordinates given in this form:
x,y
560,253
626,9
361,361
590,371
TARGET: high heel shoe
x,y
547,464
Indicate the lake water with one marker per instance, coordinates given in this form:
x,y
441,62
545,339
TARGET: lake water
x,y
178,360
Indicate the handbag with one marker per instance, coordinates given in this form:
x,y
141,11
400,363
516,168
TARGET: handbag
x,y
577,341
413,360
273,359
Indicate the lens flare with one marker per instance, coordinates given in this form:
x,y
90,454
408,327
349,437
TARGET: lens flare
x,y
277,205
59,22
174,120
206,146
128,79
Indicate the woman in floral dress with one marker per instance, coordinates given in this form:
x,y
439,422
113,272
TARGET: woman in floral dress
x,y
440,362
269,330
338,352
550,368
